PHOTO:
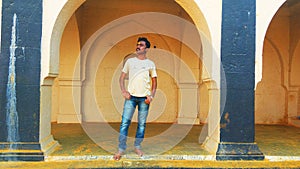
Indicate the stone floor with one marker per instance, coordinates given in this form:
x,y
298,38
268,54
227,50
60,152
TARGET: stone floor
x,y
165,146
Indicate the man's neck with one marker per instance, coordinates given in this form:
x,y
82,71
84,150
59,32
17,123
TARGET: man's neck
x,y
142,57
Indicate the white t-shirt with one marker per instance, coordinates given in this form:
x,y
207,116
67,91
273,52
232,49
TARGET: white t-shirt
x,y
140,73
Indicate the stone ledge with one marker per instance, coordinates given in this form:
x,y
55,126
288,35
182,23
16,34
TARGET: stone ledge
x,y
159,157
21,151
17,155
133,157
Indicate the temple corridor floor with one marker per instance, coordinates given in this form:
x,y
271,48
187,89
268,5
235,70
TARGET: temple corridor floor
x,y
165,146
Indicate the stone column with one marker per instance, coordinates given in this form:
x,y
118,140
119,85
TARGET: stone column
x,y
20,67
48,144
237,130
210,133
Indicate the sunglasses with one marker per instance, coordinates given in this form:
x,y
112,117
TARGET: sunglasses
x,y
140,44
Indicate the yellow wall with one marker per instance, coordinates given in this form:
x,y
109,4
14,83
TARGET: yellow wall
x,y
110,68
93,14
63,107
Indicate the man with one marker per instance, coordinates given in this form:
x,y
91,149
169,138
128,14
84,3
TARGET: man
x,y
140,93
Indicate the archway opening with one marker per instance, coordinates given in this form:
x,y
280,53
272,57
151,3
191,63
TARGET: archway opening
x,y
72,89
277,93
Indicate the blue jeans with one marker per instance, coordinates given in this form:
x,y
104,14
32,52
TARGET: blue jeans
x,y
128,110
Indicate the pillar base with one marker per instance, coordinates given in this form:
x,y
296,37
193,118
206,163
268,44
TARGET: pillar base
x,y
239,151
186,120
21,152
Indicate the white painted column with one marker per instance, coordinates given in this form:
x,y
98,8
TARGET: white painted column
x,y
212,135
48,144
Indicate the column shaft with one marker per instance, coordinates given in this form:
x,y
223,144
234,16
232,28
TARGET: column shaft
x,y
237,130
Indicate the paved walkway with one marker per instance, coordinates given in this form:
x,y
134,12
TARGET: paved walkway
x,y
165,146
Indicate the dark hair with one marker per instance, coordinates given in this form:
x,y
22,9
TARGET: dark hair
x,y
145,40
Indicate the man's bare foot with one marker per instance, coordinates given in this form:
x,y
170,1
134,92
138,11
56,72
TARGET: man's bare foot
x,y
139,152
118,155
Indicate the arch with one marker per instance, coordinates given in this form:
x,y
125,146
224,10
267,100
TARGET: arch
x,y
52,33
204,17
58,19
282,39
263,20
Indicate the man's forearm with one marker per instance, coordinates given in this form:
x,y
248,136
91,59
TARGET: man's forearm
x,y
154,86
121,82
